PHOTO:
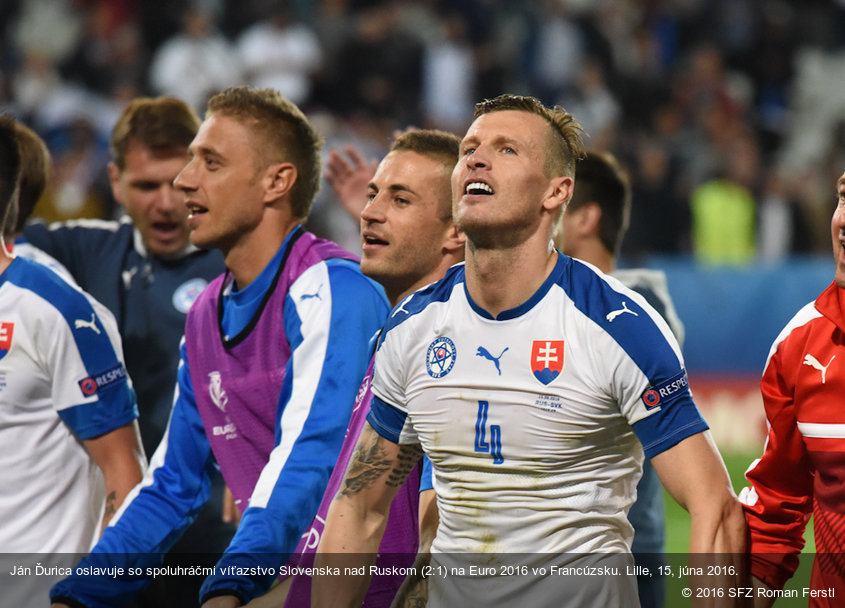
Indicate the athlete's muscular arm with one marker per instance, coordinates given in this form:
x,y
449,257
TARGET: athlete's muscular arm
x,y
121,458
693,472
358,516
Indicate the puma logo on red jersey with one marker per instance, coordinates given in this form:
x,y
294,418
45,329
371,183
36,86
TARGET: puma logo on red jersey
x,y
814,363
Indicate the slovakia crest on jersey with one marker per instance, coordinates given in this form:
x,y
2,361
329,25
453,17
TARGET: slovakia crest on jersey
x,y
546,359
6,331
440,357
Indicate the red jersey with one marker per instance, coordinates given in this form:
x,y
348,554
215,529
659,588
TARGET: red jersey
x,y
802,470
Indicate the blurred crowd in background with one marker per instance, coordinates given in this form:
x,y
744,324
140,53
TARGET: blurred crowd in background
x,y
728,114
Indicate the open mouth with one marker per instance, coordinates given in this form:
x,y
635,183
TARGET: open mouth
x,y
373,240
165,226
478,188
194,210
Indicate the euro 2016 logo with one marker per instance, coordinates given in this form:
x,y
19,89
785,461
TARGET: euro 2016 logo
x,y
440,357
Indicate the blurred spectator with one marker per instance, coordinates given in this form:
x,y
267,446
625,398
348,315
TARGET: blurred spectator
x,y
557,51
724,210
195,63
783,227
48,28
659,219
594,104
109,50
379,71
76,188
687,76
280,53
448,85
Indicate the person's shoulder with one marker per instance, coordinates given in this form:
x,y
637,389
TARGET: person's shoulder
x,y
35,278
92,226
91,234
610,306
410,309
589,288
29,251
800,322
350,287
645,278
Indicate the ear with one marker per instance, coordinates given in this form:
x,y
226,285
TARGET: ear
x,y
280,180
587,218
114,181
558,194
455,239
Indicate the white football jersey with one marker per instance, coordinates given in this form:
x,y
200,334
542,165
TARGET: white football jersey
x,y
535,422
62,380
29,251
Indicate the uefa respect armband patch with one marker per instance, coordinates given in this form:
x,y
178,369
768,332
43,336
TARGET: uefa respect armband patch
x,y
93,383
665,392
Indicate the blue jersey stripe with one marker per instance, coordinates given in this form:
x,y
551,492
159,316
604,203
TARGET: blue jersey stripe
x,y
643,342
426,477
440,291
386,420
678,417
94,348
116,404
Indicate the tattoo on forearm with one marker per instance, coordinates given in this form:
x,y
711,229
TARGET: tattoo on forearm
x,y
419,596
370,462
407,457
367,465
110,506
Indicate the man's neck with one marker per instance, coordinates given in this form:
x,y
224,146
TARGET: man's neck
x,y
502,279
247,258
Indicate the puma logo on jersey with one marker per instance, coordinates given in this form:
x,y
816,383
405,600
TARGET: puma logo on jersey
x,y
92,324
615,313
127,276
814,363
483,352
402,306
309,296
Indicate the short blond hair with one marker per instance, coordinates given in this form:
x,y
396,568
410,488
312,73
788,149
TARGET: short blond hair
x,y
285,129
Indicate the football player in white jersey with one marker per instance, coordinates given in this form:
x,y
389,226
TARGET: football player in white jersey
x,y
535,385
67,412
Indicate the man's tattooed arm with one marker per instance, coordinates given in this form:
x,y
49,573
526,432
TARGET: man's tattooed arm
x,y
371,461
358,515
